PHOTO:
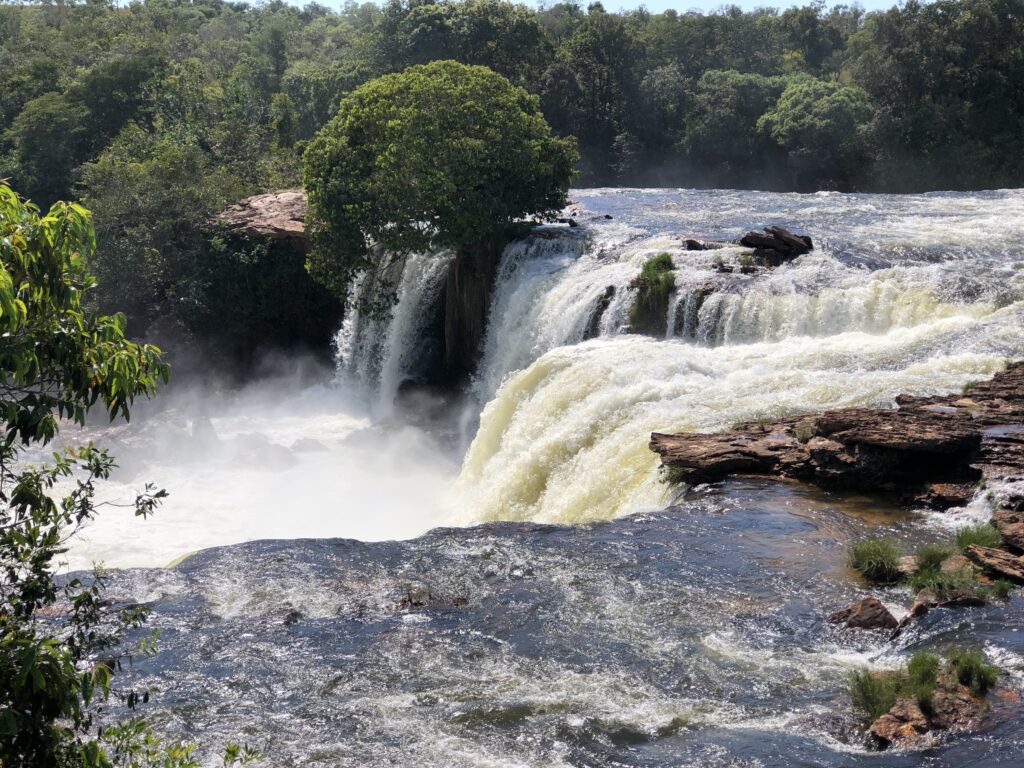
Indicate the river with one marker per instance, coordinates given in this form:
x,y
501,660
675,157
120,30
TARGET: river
x,y
571,610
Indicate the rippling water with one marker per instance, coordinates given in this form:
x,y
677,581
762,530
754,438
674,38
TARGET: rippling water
x,y
564,631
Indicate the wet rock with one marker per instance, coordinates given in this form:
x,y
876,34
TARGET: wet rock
x,y
421,597
1010,524
693,244
292,617
904,725
955,708
997,561
926,600
776,245
868,613
953,440
594,323
956,563
906,565
277,215
943,496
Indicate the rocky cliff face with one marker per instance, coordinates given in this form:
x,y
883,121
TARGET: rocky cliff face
x,y
276,216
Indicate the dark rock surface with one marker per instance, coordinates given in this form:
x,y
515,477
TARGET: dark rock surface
x,y
868,613
776,245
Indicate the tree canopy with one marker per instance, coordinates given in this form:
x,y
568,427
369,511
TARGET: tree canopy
x,y
442,155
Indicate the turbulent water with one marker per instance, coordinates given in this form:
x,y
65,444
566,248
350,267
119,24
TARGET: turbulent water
x,y
687,634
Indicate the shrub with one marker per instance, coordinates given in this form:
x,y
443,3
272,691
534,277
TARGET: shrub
x,y
982,534
930,556
876,559
971,670
873,693
649,313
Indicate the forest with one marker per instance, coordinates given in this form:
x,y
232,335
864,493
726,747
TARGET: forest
x,y
157,114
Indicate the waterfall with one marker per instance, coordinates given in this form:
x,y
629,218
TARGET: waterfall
x,y
380,349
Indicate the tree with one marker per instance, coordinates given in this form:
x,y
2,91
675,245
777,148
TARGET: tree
x,y
822,126
60,645
439,156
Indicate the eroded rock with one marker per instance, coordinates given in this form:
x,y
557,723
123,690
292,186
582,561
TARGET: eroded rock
x,y
997,561
276,215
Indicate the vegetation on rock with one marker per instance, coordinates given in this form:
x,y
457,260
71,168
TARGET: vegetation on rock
x,y
982,534
876,559
654,285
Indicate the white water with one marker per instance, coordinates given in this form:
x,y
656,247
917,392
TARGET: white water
x,y
903,294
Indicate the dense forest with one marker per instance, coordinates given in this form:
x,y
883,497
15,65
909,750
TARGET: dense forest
x,y
158,114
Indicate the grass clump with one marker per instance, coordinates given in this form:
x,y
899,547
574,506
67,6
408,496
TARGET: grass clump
x,y
670,474
931,556
983,534
971,670
922,677
649,313
1002,588
946,584
876,559
873,693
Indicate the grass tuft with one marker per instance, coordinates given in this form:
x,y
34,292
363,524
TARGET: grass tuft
x,y
922,677
654,285
873,693
971,670
1002,588
876,559
946,584
930,556
983,534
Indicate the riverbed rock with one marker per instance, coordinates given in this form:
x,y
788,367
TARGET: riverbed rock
x,y
776,245
954,439
997,561
868,613
943,496
1010,524
904,725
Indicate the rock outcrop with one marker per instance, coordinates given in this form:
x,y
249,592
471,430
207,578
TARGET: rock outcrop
x,y
953,439
953,707
997,561
276,215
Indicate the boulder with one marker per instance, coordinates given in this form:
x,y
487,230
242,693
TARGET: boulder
x,y
943,496
903,726
997,561
955,708
776,245
868,613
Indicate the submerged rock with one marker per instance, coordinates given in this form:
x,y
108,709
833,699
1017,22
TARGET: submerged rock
x,y
868,613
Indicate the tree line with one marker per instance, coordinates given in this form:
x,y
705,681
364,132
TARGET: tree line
x,y
159,113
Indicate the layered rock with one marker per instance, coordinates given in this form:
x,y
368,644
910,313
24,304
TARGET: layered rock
x,y
924,441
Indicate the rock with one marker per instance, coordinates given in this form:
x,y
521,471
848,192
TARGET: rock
x,y
954,707
955,563
1010,524
943,496
907,565
997,561
594,323
276,215
693,244
421,597
868,613
776,245
941,445
926,600
292,617
901,726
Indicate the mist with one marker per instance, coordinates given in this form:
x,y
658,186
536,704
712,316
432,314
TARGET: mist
x,y
294,454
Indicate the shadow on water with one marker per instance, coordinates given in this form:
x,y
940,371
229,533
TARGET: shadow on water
x,y
691,636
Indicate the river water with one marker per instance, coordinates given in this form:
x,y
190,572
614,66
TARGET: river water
x,y
586,616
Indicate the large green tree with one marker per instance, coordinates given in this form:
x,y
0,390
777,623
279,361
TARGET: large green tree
x,y
439,156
